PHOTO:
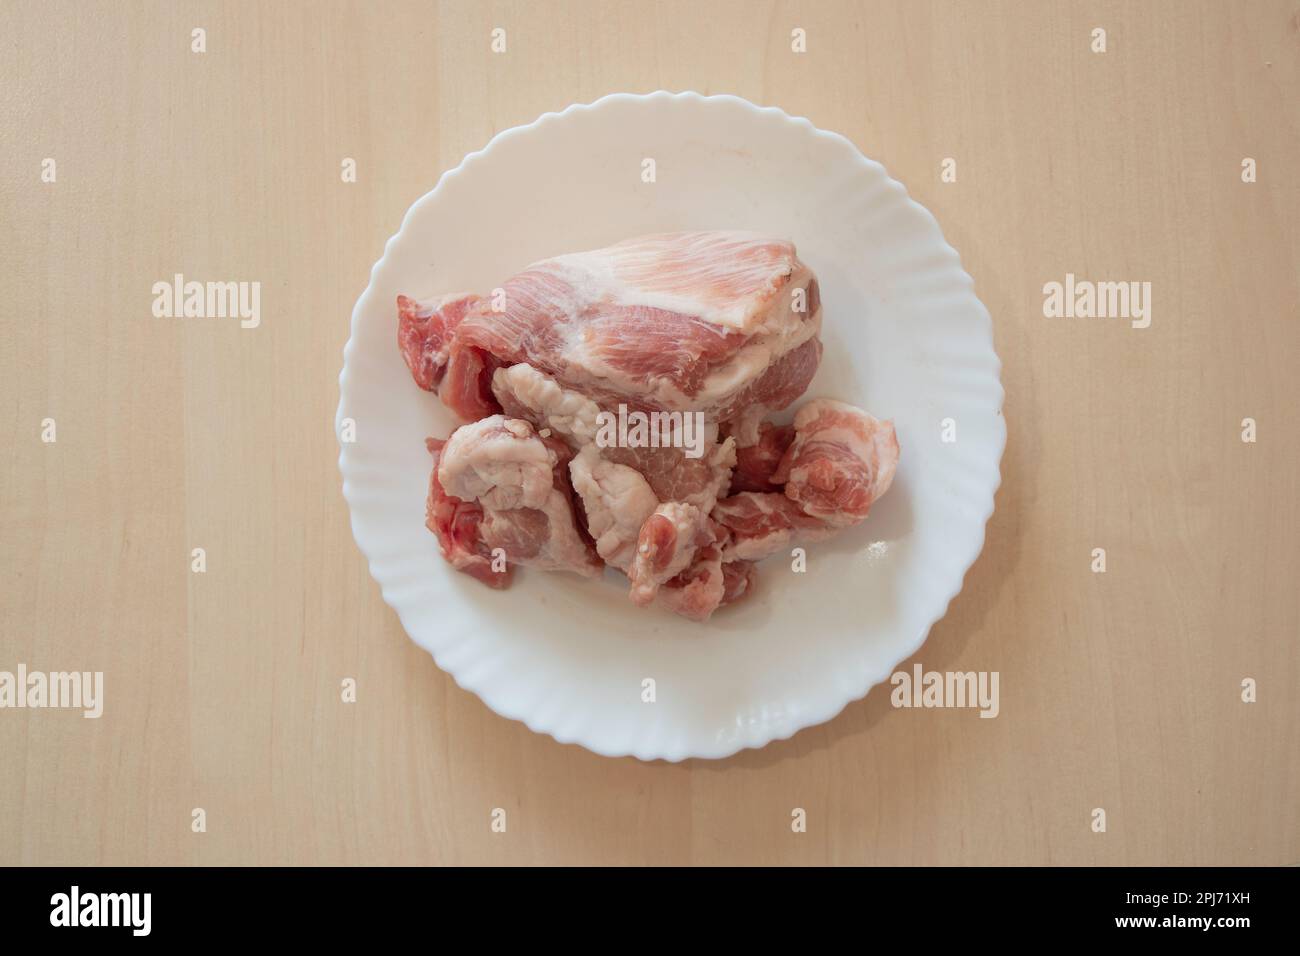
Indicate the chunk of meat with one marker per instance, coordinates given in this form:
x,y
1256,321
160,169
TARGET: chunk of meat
x,y
701,321
687,490
756,463
621,487
709,582
457,524
497,461
763,523
520,482
738,578
699,590
665,547
665,346
424,334
715,330
616,499
780,384
535,397
671,472
467,387
840,462
674,476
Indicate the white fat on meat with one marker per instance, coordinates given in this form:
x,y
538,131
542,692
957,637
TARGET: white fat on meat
x,y
519,481
617,500
525,392
690,321
498,462
737,280
621,488
774,330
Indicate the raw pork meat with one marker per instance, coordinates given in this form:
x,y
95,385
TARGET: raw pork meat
x,y
839,462
722,326
633,497
765,522
756,463
666,546
520,483
456,525
709,581
713,322
617,500
424,333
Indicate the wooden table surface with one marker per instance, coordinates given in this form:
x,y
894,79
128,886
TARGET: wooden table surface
x,y
1119,690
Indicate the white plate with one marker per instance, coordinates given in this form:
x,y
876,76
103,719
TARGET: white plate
x,y
905,338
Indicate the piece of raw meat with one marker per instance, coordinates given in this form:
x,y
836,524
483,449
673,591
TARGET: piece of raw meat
x,y
526,393
841,461
622,488
699,590
738,579
424,333
757,463
710,581
701,587
676,477
762,523
783,382
666,546
713,322
616,500
687,490
520,482
456,524
720,326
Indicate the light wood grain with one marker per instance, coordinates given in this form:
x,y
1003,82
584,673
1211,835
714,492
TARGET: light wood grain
x,y
1119,690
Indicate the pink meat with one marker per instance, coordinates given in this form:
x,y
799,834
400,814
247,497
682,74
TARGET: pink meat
x,y
672,475
756,463
705,321
738,578
457,526
700,589
762,523
780,384
424,334
712,579
513,487
666,546
502,492
467,388
725,324
840,462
